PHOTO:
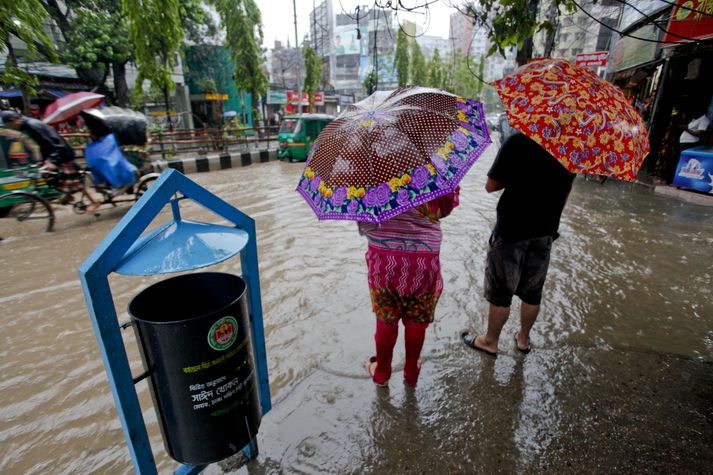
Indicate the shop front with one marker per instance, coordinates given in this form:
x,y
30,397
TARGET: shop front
x,y
668,79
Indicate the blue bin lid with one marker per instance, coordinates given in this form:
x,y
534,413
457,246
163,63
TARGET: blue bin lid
x,y
181,246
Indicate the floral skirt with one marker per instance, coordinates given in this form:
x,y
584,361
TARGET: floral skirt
x,y
404,285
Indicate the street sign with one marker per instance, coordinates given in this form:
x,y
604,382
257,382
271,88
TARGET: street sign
x,y
216,97
592,60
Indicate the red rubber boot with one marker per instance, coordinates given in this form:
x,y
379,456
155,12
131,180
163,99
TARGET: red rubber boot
x,y
415,335
385,338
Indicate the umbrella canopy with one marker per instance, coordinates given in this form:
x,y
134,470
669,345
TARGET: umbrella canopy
x,y
129,126
584,121
391,152
69,106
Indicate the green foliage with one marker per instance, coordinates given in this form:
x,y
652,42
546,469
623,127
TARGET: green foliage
x,y
435,70
99,37
370,82
207,85
514,22
401,58
313,71
23,20
243,25
461,80
156,31
419,70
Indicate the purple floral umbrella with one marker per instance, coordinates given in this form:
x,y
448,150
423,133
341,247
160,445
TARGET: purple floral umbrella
x,y
391,152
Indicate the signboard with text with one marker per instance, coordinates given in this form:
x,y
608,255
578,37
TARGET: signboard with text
x,y
592,60
277,97
318,99
690,19
292,98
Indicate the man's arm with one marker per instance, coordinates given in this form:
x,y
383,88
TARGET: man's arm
x,y
493,185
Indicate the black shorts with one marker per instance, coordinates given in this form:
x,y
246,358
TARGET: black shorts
x,y
516,268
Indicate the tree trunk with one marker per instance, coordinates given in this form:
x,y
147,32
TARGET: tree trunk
x,y
121,90
525,53
23,89
553,17
168,109
86,76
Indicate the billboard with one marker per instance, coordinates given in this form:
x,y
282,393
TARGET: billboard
x,y
690,19
345,40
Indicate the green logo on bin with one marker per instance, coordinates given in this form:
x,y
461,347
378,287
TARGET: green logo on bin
x,y
223,333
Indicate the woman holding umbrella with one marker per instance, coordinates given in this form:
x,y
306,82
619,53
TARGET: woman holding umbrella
x,y
392,162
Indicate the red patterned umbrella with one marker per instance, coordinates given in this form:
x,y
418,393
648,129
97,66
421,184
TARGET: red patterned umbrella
x,y
584,121
391,152
69,106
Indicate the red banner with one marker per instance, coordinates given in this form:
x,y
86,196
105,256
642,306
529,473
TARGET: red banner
x,y
318,99
690,19
292,98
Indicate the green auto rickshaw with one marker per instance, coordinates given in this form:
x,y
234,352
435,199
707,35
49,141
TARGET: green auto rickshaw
x,y
298,133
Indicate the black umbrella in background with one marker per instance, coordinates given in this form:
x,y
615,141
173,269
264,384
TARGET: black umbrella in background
x,y
129,126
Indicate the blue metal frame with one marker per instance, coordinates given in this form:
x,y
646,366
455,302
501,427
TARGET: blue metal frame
x,y
94,272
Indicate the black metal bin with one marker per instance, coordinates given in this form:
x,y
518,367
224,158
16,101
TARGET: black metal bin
x,y
195,341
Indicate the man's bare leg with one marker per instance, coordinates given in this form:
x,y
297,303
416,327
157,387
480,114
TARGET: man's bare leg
x,y
528,315
497,316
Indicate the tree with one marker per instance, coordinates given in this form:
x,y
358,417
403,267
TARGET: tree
x,y
371,81
243,25
463,82
23,20
99,41
435,70
156,31
515,22
419,70
401,58
313,71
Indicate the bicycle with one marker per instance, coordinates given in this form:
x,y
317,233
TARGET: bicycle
x,y
27,195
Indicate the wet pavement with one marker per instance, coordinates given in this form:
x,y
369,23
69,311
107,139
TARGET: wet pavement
x,y
620,377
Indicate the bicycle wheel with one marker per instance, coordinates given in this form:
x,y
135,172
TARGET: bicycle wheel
x,y
144,183
28,213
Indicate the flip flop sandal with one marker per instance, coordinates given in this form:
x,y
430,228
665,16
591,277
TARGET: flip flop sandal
x,y
526,350
371,369
469,340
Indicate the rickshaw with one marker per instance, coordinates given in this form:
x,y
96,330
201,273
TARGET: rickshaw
x,y
27,189
298,133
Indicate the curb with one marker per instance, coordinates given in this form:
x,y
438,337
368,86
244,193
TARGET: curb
x,y
689,196
216,162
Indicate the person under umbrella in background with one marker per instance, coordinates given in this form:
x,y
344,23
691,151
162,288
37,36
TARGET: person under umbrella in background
x,y
528,215
109,166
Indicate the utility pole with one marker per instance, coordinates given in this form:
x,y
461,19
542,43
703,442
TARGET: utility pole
x,y
299,62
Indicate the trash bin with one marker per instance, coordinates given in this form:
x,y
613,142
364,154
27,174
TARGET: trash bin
x,y
195,340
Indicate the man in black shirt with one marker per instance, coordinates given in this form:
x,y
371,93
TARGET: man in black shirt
x,y
528,214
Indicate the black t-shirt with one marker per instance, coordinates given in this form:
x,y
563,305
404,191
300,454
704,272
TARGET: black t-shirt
x,y
536,189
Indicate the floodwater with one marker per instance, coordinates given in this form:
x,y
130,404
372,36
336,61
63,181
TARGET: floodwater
x,y
620,377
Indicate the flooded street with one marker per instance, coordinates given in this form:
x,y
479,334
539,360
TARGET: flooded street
x,y
620,377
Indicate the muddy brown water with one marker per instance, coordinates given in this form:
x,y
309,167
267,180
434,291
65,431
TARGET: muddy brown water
x,y
620,376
